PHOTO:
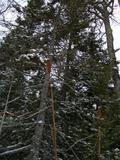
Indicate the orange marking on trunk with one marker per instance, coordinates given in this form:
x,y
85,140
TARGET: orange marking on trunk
x,y
49,65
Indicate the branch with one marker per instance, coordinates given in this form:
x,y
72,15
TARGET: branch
x,y
1,12
95,13
13,100
38,112
15,150
69,145
21,124
81,140
5,109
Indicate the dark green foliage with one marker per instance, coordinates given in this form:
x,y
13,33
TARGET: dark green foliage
x,y
63,31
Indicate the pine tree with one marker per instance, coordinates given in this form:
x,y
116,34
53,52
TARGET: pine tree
x,y
62,31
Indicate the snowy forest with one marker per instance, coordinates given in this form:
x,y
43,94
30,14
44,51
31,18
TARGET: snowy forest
x,y
59,81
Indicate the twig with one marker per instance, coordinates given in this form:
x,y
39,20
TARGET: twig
x,y
38,112
1,12
9,152
20,125
5,109
12,100
70,148
81,140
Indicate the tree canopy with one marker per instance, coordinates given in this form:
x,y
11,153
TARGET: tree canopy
x,y
59,86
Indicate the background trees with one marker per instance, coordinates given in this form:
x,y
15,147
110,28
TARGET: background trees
x,y
83,78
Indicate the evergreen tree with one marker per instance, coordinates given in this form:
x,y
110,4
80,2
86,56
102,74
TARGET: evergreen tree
x,y
62,31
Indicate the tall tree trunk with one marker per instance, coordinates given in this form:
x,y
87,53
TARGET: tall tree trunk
x,y
103,11
66,79
111,52
119,2
37,137
109,36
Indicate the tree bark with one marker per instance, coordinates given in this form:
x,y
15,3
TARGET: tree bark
x,y
37,137
111,52
66,79
105,17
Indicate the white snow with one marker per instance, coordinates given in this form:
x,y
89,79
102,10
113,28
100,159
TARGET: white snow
x,y
40,122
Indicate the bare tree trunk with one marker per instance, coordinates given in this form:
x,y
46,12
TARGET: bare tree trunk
x,y
37,137
109,35
119,2
111,52
103,11
66,79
